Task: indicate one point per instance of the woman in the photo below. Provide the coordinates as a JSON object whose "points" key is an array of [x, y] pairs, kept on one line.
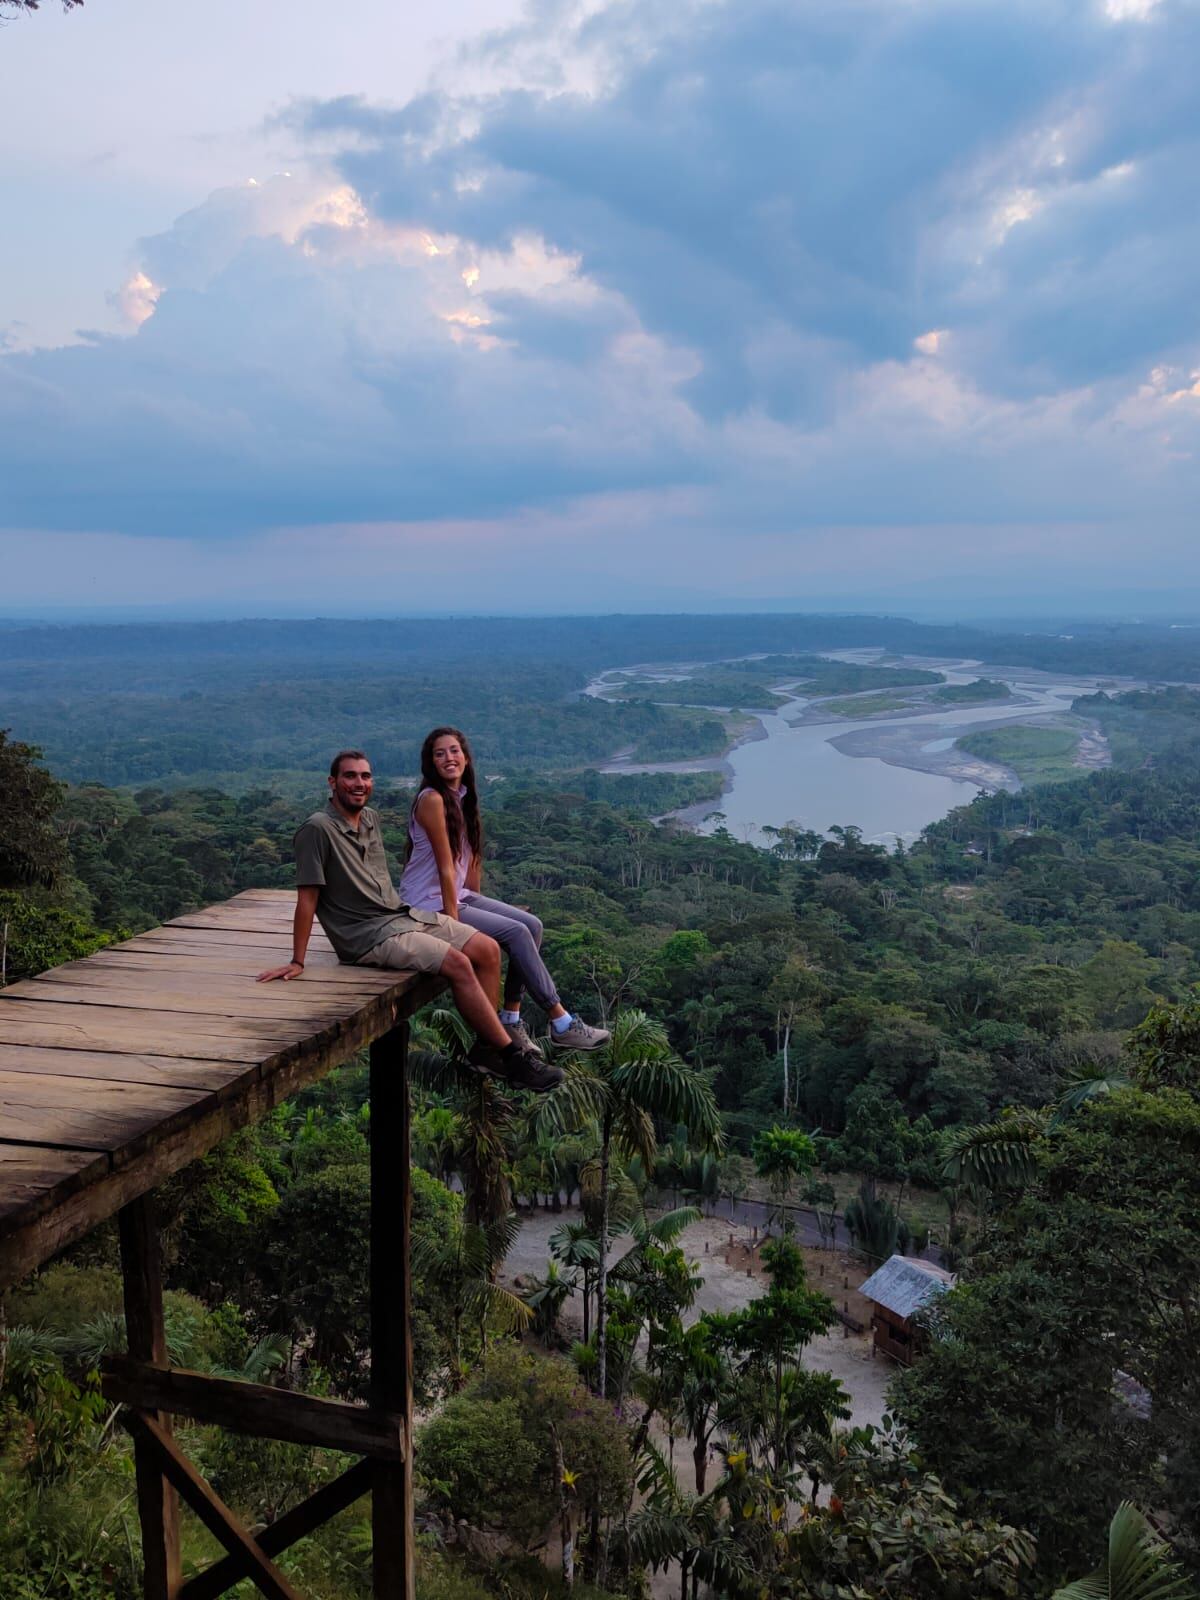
{"points": [[443, 869]]}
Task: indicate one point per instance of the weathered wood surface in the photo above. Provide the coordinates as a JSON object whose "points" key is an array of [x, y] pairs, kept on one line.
{"points": [[117, 1070]]}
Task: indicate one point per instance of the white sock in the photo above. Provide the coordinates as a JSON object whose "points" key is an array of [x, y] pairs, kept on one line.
{"points": [[510, 1017], [561, 1024]]}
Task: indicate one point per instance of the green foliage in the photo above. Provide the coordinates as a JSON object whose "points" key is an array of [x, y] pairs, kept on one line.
{"points": [[34, 937], [32, 849], [1137, 1565], [1088, 1273], [783, 1156], [891, 1532], [875, 1225], [1166, 1048], [488, 1455]]}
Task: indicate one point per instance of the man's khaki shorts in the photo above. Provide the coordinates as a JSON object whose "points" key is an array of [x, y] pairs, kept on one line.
{"points": [[423, 949]]}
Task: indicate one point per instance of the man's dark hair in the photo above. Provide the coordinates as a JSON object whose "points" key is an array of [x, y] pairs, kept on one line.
{"points": [[335, 766]]}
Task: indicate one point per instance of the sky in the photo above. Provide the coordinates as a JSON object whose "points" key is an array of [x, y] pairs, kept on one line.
{"points": [[646, 305]]}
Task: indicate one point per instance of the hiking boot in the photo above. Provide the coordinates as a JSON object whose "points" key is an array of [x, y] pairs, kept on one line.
{"points": [[579, 1036], [530, 1071], [519, 1035], [486, 1058], [524, 1069]]}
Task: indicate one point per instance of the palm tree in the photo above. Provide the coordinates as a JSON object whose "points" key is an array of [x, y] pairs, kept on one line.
{"points": [[547, 1298], [1138, 1565], [874, 1224], [462, 1263], [782, 1156], [1004, 1154], [577, 1247], [436, 1132], [621, 1088], [487, 1122]]}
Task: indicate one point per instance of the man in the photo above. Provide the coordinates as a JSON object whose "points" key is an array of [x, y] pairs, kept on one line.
{"points": [[342, 879]]}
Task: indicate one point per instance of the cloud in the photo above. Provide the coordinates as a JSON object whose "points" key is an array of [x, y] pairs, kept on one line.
{"points": [[772, 269]]}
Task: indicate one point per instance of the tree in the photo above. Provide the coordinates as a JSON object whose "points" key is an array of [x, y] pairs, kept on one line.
{"points": [[491, 1454], [768, 1336], [795, 992], [621, 1088], [577, 1248], [546, 1298], [783, 1156], [462, 1263], [32, 848], [35, 937], [1085, 1280], [1136, 1566], [875, 1225]]}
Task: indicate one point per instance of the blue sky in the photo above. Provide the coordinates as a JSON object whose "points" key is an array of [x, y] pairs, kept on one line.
{"points": [[603, 305]]}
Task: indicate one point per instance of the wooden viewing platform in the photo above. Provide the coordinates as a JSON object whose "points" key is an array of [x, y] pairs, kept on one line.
{"points": [[118, 1070]]}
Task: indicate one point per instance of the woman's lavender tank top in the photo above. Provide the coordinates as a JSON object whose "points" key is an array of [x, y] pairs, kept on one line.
{"points": [[420, 885]]}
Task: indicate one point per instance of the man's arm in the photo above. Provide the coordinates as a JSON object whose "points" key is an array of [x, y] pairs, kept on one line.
{"points": [[302, 921]]}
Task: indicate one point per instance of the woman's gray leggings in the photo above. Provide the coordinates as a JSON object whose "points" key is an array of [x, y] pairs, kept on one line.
{"points": [[519, 934]]}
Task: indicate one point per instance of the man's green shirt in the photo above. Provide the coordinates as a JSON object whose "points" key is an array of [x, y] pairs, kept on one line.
{"points": [[358, 906]]}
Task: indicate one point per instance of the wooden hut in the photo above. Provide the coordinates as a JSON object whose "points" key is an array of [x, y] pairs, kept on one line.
{"points": [[898, 1290]]}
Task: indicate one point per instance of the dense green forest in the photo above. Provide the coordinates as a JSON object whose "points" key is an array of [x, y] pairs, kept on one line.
{"points": [[954, 1032], [246, 703]]}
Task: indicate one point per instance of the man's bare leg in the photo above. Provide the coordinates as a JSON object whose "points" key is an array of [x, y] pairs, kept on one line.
{"points": [[484, 955], [472, 1000]]}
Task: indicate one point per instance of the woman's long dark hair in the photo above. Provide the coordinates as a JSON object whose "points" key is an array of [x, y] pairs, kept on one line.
{"points": [[462, 816]]}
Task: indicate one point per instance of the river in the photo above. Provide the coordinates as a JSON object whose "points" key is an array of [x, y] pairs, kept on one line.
{"points": [[890, 775]]}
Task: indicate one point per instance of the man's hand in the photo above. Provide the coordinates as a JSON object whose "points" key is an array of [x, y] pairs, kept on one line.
{"points": [[292, 970]]}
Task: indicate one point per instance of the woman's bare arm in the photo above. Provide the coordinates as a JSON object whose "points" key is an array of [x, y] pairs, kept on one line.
{"points": [[431, 814]]}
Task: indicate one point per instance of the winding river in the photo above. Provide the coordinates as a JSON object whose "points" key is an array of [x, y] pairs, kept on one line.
{"points": [[890, 775]]}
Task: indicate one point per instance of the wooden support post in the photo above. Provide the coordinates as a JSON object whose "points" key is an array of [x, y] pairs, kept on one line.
{"points": [[391, 1311], [158, 1509]]}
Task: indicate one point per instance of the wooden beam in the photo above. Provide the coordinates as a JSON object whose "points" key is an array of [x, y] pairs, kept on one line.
{"points": [[254, 1408], [208, 1506], [284, 1532], [394, 1575], [158, 1511]]}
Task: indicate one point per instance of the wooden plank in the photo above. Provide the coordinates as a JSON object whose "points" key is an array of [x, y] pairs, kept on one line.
{"points": [[217, 937], [212, 1511], [255, 1408], [246, 921], [138, 1029], [392, 1552], [281, 1534], [207, 968], [169, 1071], [29, 1029], [91, 1114], [158, 1511], [334, 986], [248, 1002]]}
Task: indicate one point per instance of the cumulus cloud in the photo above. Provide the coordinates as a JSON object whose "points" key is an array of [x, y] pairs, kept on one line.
{"points": [[790, 267]]}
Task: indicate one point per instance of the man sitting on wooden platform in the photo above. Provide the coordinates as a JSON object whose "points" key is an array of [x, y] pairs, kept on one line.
{"points": [[343, 879]]}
